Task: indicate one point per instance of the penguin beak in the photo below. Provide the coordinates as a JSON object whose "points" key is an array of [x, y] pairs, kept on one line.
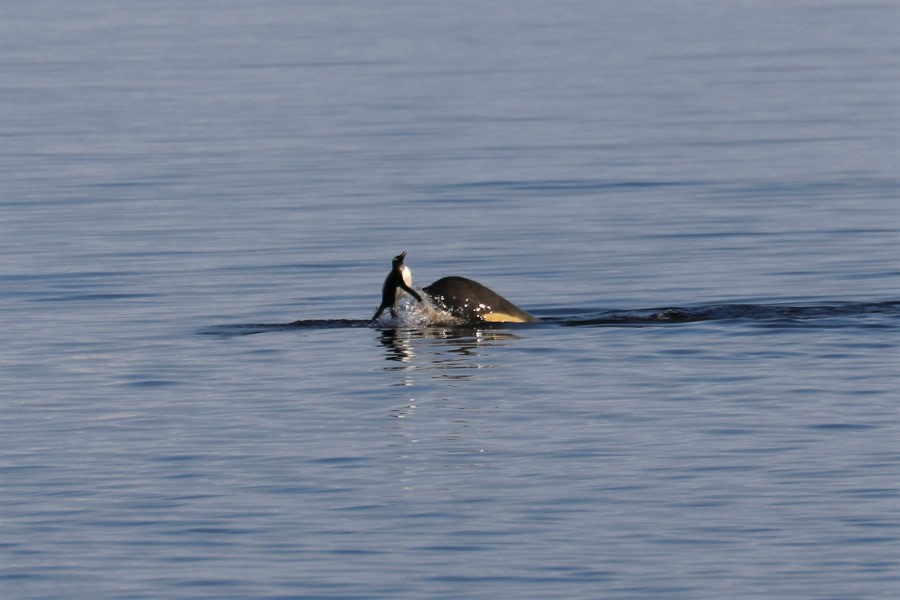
{"points": [[401, 256]]}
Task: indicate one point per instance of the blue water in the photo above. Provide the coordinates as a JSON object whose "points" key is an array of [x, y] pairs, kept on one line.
{"points": [[201, 200]]}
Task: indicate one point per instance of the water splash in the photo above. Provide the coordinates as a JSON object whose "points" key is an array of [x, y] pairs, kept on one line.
{"points": [[418, 315]]}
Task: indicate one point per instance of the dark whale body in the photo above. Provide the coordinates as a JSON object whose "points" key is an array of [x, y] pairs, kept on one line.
{"points": [[472, 302], [451, 300]]}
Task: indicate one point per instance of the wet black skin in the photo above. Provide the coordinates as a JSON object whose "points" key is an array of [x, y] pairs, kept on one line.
{"points": [[393, 281], [471, 301]]}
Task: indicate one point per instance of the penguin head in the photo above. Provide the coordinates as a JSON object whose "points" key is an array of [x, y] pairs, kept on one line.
{"points": [[401, 270], [397, 263]]}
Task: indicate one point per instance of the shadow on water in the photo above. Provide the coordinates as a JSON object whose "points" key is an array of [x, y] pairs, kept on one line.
{"points": [[820, 315]]}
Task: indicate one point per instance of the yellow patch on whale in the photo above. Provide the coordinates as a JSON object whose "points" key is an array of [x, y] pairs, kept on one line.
{"points": [[499, 317]]}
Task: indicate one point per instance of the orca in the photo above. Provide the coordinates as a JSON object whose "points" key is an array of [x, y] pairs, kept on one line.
{"points": [[463, 300]]}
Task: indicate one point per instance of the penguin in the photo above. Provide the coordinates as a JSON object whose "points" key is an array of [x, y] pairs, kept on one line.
{"points": [[398, 282], [464, 300]]}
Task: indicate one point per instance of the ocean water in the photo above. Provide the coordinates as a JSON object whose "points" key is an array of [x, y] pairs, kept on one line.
{"points": [[201, 200]]}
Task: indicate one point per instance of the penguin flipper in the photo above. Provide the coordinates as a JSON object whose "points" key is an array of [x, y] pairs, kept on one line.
{"points": [[380, 310], [410, 291]]}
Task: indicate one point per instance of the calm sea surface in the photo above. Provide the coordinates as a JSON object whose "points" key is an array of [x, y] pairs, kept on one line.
{"points": [[200, 201]]}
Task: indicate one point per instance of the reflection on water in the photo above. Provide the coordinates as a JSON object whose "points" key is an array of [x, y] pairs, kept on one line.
{"points": [[453, 348]]}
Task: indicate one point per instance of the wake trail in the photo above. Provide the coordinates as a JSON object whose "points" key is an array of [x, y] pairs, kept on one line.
{"points": [[818, 314]]}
